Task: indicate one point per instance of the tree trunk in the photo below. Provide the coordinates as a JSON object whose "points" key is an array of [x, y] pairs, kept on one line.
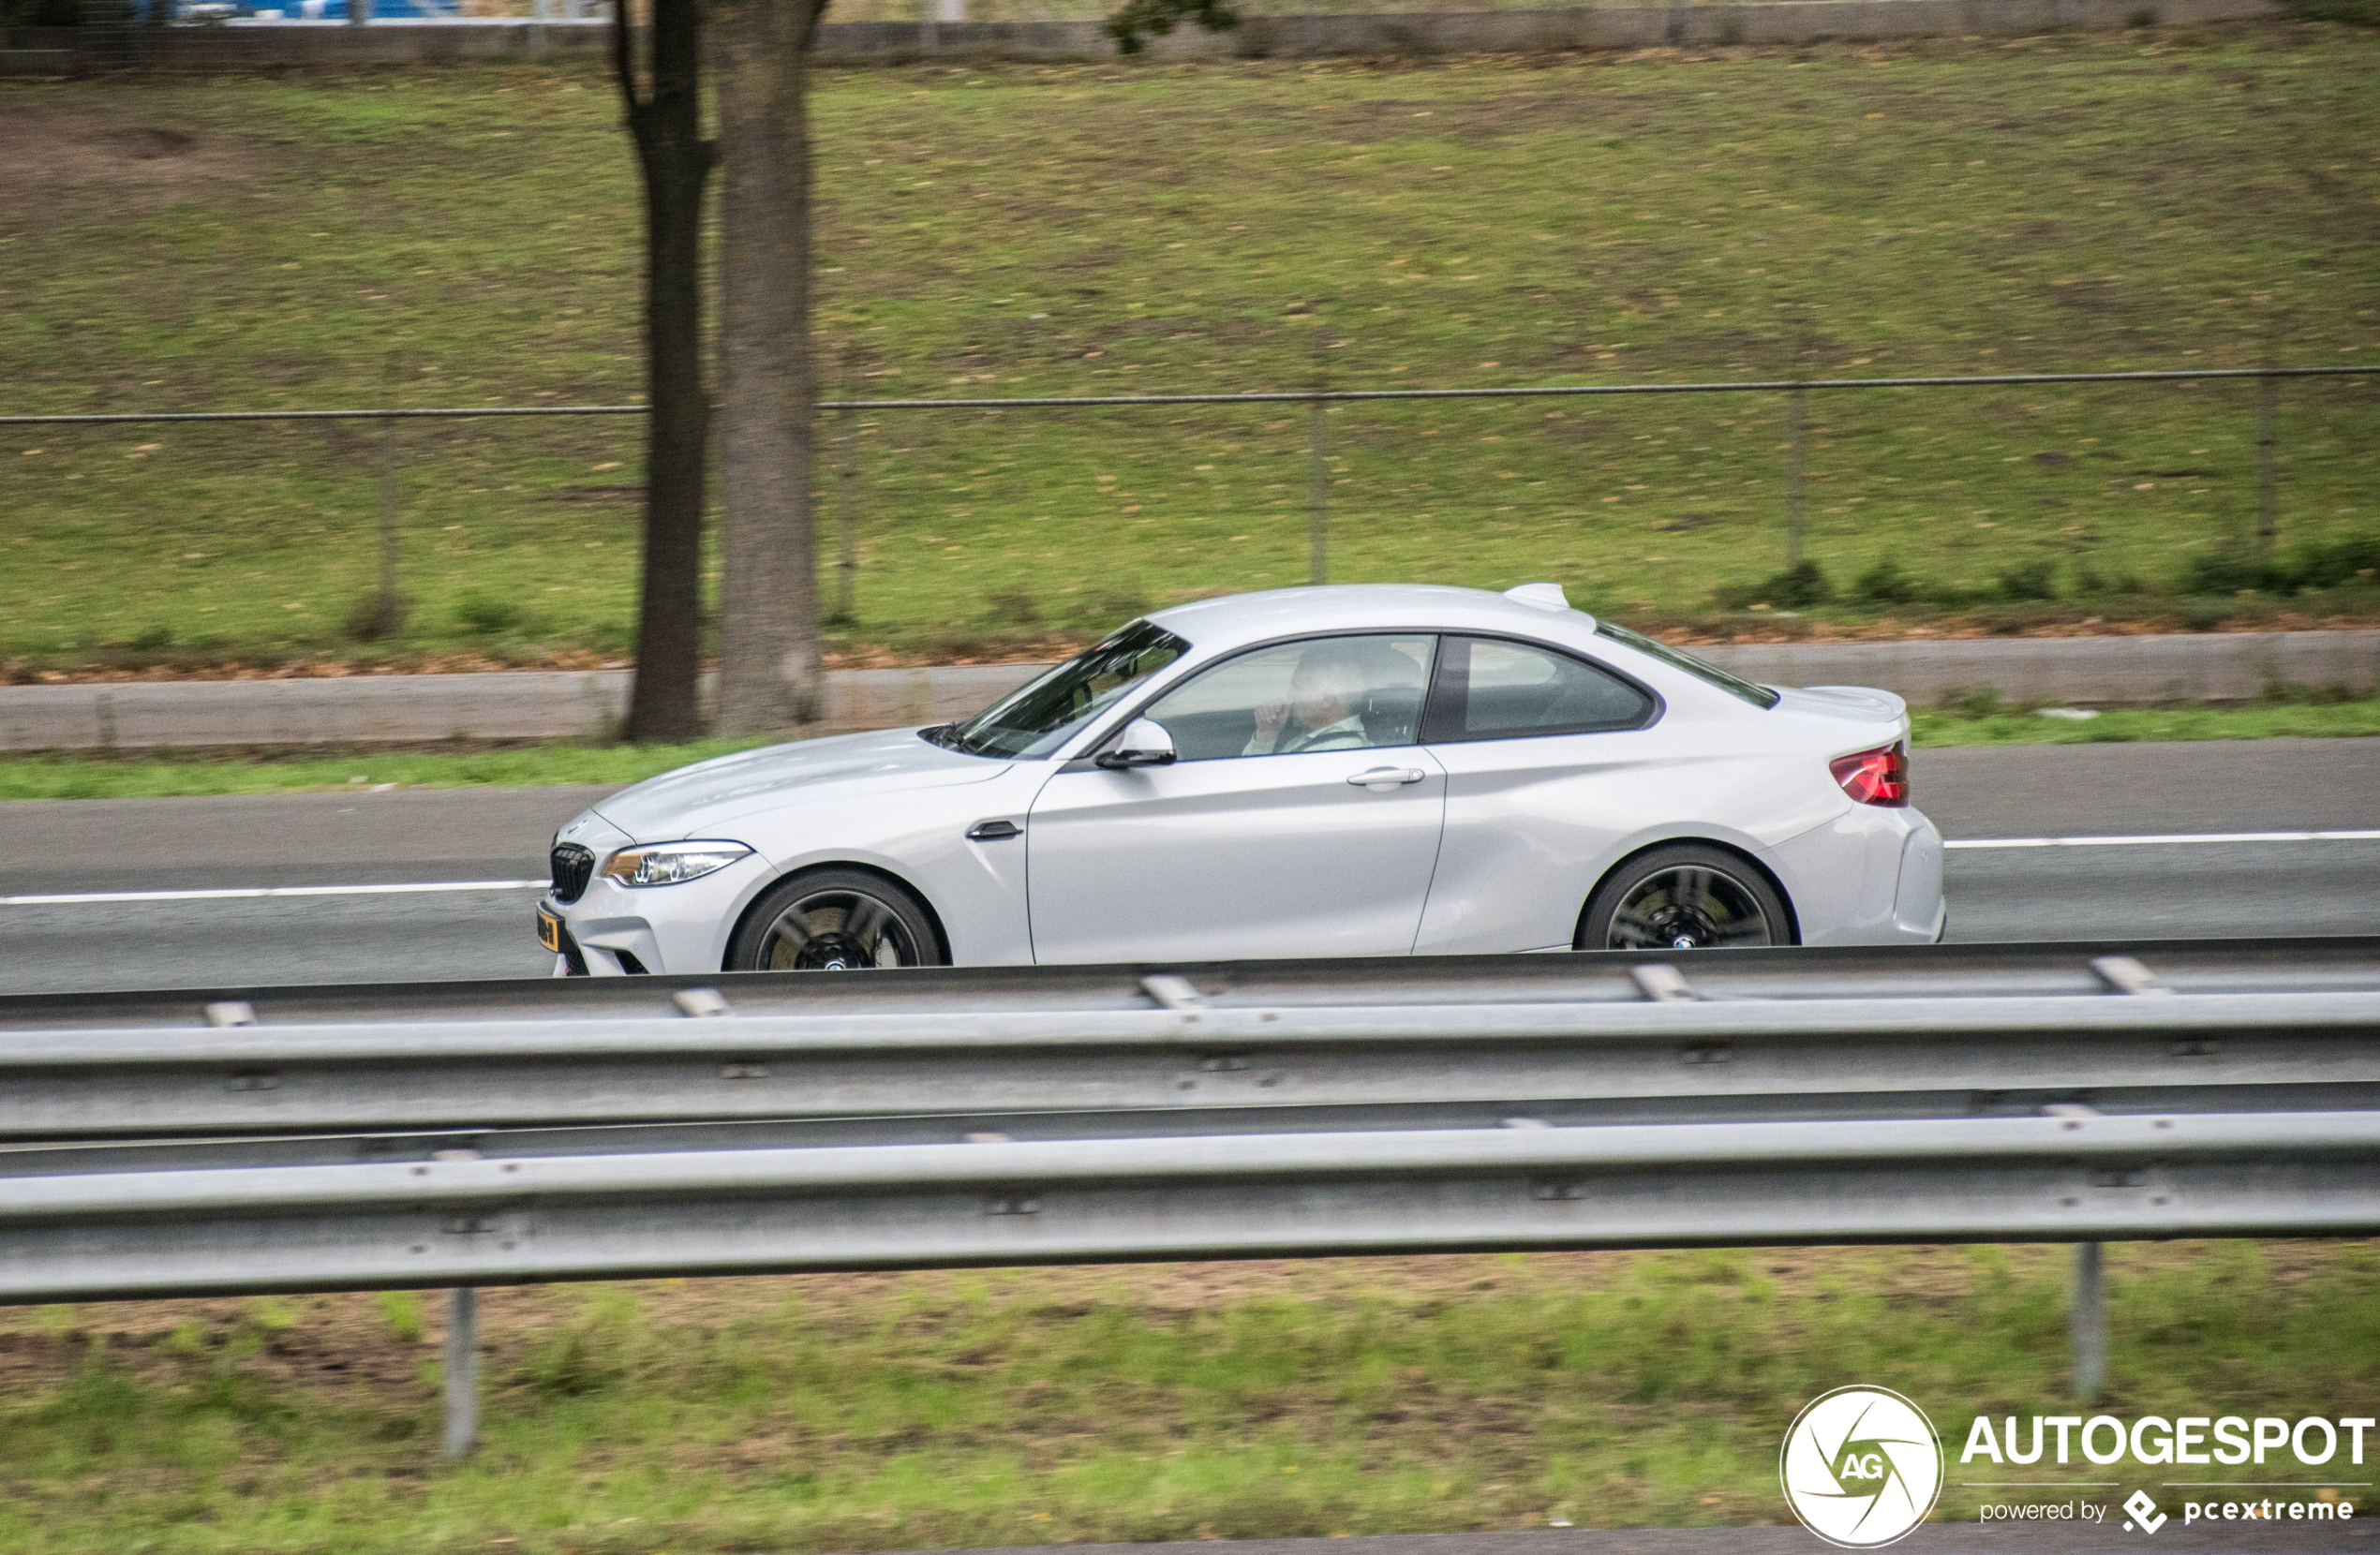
{"points": [[769, 672], [665, 118]]}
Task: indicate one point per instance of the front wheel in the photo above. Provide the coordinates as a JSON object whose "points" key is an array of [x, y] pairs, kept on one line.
{"points": [[835, 920], [1684, 897]]}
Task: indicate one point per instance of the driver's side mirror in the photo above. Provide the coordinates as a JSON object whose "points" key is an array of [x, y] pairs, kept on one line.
{"points": [[1143, 743]]}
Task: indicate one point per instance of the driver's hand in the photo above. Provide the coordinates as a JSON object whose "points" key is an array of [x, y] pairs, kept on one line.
{"points": [[1271, 716]]}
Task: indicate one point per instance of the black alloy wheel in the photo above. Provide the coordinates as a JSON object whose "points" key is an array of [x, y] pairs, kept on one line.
{"points": [[1685, 897], [835, 920]]}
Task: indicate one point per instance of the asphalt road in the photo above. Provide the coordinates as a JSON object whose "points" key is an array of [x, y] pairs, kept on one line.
{"points": [[479, 834]]}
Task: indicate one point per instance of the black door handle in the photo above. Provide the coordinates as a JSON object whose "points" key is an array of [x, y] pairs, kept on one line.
{"points": [[993, 831]]}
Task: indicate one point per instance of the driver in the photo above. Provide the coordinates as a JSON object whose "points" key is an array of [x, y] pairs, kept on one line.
{"points": [[1318, 713]]}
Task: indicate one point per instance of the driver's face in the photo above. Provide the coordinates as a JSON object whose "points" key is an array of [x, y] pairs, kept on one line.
{"points": [[1312, 706]]}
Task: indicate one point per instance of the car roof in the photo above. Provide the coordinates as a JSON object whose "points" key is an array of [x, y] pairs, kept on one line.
{"points": [[1236, 618]]}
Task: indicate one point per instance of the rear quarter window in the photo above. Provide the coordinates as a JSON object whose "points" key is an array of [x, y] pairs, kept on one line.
{"points": [[1494, 688], [1678, 659]]}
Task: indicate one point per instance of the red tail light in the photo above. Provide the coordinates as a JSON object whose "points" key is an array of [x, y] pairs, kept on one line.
{"points": [[1877, 777]]}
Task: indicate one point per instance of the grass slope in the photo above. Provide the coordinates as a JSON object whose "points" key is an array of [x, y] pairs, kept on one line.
{"points": [[1176, 1403], [466, 236]]}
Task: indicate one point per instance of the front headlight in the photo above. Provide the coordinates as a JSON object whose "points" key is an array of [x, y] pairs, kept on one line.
{"points": [[672, 863]]}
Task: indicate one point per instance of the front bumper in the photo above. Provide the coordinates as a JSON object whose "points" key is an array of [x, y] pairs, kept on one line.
{"points": [[613, 930]]}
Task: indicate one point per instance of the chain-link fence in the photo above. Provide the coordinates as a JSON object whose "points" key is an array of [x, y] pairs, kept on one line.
{"points": [[941, 520]]}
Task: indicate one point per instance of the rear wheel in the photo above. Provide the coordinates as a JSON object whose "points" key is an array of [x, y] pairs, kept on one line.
{"points": [[1684, 897], [835, 920]]}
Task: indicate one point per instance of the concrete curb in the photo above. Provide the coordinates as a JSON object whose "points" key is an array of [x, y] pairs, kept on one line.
{"points": [[364, 709], [555, 705], [2181, 667], [334, 45]]}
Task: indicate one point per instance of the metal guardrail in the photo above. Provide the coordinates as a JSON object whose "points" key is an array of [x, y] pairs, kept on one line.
{"points": [[1083, 1114], [2306, 964], [500, 1220], [1578, 1039], [1600, 1063]]}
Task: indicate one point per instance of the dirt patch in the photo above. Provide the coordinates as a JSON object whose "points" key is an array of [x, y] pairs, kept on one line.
{"points": [[584, 495], [2051, 620], [59, 159], [348, 1341]]}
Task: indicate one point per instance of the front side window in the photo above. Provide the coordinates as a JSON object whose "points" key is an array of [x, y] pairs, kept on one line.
{"points": [[1325, 693], [1492, 689], [1040, 717]]}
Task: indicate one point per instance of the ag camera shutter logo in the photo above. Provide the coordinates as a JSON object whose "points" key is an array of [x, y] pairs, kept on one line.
{"points": [[1861, 1467]]}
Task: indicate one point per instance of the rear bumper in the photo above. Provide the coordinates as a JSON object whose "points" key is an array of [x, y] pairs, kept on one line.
{"points": [[1920, 911], [1872, 876]]}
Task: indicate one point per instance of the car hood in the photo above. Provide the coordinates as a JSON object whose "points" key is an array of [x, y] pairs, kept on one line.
{"points": [[700, 800], [1860, 703]]}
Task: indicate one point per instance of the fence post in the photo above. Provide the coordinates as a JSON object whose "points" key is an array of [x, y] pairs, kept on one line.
{"points": [[2088, 1321], [1793, 479], [462, 1370], [2267, 494], [846, 519], [1318, 489], [540, 12], [390, 611], [929, 30]]}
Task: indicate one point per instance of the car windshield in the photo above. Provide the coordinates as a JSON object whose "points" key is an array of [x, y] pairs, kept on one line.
{"points": [[1039, 718], [1734, 685]]}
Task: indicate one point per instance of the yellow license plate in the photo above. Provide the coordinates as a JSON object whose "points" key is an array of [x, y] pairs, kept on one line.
{"points": [[549, 931]]}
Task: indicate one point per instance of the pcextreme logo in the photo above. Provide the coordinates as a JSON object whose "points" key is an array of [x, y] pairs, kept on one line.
{"points": [[1861, 1467]]}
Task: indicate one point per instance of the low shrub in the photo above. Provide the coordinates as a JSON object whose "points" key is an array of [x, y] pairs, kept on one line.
{"points": [[2030, 580], [2354, 13], [374, 616], [487, 613], [1797, 588], [1886, 583], [2346, 561]]}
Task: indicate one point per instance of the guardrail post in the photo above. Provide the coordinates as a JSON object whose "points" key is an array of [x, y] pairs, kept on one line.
{"points": [[2267, 496], [1317, 486], [846, 519], [2088, 1321], [1793, 479], [462, 1370]]}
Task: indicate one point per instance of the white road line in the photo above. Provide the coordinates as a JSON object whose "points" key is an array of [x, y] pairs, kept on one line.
{"points": [[2164, 840], [416, 887], [243, 892]]}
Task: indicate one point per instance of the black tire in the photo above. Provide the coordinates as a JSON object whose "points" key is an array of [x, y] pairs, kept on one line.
{"points": [[835, 920], [1684, 896]]}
